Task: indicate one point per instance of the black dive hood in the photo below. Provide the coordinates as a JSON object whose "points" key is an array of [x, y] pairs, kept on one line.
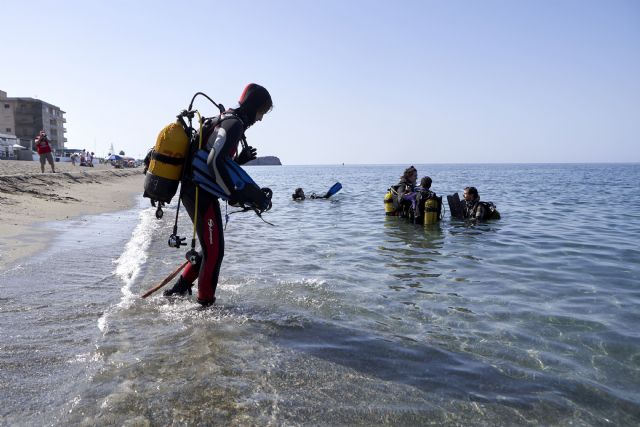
{"points": [[254, 98]]}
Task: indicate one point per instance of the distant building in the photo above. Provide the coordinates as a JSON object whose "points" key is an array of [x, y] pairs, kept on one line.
{"points": [[7, 119], [26, 117]]}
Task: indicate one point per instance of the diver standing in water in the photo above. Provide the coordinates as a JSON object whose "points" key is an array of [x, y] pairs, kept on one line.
{"points": [[476, 210], [404, 188], [223, 137]]}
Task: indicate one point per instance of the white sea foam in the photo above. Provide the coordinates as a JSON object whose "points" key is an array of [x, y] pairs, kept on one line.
{"points": [[131, 260], [12, 270]]}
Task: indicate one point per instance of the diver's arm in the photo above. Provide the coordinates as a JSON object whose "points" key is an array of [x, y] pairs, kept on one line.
{"points": [[402, 188], [223, 144]]}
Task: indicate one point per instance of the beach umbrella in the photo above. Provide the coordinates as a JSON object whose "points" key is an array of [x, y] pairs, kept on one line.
{"points": [[114, 157]]}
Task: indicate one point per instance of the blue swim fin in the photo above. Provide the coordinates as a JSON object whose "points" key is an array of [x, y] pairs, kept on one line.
{"points": [[333, 190]]}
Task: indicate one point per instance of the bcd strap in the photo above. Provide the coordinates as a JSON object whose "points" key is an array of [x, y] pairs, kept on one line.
{"points": [[178, 161]]}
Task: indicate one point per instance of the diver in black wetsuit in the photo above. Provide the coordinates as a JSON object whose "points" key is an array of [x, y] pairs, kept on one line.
{"points": [[474, 209], [423, 193], [222, 136], [299, 195]]}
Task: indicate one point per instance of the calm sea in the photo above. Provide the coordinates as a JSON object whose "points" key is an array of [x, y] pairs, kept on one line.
{"points": [[338, 315]]}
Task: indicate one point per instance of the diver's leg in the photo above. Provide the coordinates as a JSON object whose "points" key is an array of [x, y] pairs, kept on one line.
{"points": [[211, 238]]}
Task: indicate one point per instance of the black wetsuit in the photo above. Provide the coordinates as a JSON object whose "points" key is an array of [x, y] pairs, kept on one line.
{"points": [[422, 194], [403, 205], [475, 210]]}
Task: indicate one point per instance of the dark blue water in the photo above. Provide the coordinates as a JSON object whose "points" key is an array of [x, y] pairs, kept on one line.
{"points": [[339, 315]]}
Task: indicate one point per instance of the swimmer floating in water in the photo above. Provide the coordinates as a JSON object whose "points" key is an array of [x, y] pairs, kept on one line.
{"points": [[299, 195]]}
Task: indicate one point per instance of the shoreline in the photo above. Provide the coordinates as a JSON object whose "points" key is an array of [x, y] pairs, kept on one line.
{"points": [[29, 200]]}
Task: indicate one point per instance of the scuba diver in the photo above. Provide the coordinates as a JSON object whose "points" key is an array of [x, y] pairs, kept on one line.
{"points": [[474, 209], [427, 202], [395, 202], [403, 189], [223, 135], [299, 195]]}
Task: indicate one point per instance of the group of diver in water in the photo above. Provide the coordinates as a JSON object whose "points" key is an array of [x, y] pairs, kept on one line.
{"points": [[420, 205], [204, 160]]}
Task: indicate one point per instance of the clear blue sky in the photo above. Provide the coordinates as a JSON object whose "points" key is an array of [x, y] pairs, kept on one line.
{"points": [[352, 81]]}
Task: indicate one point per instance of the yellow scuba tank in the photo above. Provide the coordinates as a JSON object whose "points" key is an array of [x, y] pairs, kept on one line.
{"points": [[167, 161], [389, 206], [431, 211]]}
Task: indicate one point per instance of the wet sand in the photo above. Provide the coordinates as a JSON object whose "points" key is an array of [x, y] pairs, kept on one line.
{"points": [[29, 198]]}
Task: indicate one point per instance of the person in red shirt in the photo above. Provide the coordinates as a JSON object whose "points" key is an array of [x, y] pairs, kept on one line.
{"points": [[44, 149]]}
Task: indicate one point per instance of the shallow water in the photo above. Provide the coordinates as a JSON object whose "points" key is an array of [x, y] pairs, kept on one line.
{"points": [[339, 315]]}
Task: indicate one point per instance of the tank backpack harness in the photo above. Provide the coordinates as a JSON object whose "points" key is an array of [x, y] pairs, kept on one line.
{"points": [[170, 159], [491, 212]]}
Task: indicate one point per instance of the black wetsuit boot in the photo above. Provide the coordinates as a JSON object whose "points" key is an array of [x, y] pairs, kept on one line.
{"points": [[181, 287]]}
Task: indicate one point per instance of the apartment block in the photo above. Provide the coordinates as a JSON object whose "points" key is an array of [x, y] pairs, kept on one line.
{"points": [[26, 117], [7, 119]]}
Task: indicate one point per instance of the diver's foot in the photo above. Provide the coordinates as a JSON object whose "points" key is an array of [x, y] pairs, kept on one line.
{"points": [[181, 288], [206, 303]]}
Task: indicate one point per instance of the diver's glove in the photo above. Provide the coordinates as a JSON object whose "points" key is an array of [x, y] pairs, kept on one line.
{"points": [[248, 153], [258, 198], [268, 195]]}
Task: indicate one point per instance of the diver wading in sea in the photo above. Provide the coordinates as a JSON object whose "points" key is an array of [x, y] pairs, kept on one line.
{"points": [[471, 208], [211, 172]]}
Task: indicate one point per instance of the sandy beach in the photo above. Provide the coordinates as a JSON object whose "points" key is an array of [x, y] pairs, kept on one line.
{"points": [[29, 198]]}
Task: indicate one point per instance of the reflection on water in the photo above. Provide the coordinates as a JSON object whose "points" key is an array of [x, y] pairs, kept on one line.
{"points": [[339, 315], [409, 250]]}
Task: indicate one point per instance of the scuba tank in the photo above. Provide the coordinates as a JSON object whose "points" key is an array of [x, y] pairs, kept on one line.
{"points": [[431, 211], [167, 161], [389, 205]]}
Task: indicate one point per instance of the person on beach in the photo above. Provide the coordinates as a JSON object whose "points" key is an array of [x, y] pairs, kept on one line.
{"points": [[222, 141], [44, 150]]}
